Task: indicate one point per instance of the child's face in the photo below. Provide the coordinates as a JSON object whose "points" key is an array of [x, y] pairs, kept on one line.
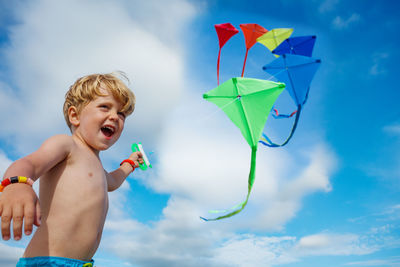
{"points": [[101, 122]]}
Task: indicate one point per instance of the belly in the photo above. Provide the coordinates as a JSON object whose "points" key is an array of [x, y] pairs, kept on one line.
{"points": [[71, 226]]}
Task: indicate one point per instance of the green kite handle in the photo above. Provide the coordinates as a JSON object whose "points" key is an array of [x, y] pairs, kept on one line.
{"points": [[146, 164]]}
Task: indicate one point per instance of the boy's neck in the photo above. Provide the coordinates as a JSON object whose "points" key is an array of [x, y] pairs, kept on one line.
{"points": [[78, 139]]}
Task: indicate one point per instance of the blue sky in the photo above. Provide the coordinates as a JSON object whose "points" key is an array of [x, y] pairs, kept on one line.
{"points": [[331, 197]]}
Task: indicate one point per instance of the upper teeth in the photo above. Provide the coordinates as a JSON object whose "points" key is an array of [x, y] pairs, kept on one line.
{"points": [[109, 128]]}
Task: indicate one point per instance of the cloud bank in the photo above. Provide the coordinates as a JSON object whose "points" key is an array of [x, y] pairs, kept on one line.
{"points": [[207, 167], [203, 162], [55, 43]]}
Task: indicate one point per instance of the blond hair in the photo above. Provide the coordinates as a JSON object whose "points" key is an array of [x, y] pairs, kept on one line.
{"points": [[87, 88]]}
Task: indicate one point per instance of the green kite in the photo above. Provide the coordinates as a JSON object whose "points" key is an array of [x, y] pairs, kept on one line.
{"points": [[247, 102]]}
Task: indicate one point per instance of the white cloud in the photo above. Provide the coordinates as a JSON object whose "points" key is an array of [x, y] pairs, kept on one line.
{"points": [[203, 163], [54, 43], [57, 42], [389, 262], [389, 172], [378, 60], [392, 129], [181, 238], [332, 244], [208, 162], [213, 157], [395, 209], [340, 23], [250, 250], [9, 255], [4, 163], [327, 6]]}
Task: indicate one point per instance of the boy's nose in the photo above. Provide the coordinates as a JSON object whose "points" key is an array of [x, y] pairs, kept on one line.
{"points": [[114, 115]]}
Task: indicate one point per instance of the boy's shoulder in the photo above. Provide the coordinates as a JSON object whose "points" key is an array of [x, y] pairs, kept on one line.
{"points": [[62, 139], [59, 142], [54, 150]]}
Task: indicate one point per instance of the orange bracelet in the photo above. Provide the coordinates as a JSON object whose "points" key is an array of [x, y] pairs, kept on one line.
{"points": [[130, 162], [14, 180]]}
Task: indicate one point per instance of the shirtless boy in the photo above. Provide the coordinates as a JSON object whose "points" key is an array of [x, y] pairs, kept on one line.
{"points": [[73, 184]]}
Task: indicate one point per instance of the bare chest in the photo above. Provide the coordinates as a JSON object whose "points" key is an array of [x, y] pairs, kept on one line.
{"points": [[78, 182]]}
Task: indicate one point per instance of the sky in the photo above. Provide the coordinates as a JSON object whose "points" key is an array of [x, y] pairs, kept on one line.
{"points": [[331, 197]]}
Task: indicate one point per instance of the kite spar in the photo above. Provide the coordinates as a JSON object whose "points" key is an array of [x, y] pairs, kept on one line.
{"points": [[301, 45], [274, 37]]}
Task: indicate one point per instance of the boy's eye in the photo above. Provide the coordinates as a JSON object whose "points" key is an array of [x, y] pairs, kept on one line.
{"points": [[121, 114]]}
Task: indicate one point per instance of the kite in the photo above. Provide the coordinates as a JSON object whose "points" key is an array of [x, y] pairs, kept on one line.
{"points": [[302, 45], [274, 38], [251, 33], [224, 31], [247, 102], [146, 164], [297, 73]]}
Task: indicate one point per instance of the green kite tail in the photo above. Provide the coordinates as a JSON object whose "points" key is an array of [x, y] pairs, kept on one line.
{"points": [[252, 176]]}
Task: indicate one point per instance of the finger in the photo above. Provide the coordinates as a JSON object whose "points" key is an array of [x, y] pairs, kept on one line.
{"points": [[38, 215], [29, 214], [5, 223], [18, 217]]}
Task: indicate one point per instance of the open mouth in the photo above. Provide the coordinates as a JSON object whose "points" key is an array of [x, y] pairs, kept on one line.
{"points": [[108, 131]]}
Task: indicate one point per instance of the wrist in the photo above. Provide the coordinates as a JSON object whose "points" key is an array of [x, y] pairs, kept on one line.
{"points": [[14, 180], [130, 162]]}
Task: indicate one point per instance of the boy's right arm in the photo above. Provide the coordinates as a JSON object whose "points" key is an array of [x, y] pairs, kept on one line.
{"points": [[19, 201]]}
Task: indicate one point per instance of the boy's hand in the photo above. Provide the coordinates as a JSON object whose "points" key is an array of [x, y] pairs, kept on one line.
{"points": [[117, 177], [18, 202], [137, 157]]}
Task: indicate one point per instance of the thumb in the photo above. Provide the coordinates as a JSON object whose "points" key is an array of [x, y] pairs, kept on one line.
{"points": [[38, 215]]}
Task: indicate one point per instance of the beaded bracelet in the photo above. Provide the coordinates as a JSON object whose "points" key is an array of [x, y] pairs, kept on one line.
{"points": [[14, 180], [130, 162]]}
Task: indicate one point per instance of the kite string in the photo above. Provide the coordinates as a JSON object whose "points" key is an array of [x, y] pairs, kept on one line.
{"points": [[274, 76], [207, 117], [276, 111]]}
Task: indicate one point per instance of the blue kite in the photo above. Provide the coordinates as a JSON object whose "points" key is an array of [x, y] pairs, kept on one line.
{"points": [[301, 45], [297, 73]]}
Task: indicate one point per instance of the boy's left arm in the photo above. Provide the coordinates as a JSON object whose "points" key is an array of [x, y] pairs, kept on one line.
{"points": [[117, 177]]}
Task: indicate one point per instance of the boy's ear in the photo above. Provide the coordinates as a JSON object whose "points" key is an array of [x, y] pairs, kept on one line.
{"points": [[73, 116]]}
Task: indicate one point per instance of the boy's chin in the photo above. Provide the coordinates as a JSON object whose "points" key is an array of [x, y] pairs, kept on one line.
{"points": [[103, 147]]}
